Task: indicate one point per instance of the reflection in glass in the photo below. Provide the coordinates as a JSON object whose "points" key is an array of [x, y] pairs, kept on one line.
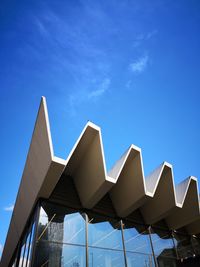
{"points": [[162, 243], [57, 226], [137, 245], [99, 257], [105, 243], [105, 234], [58, 231], [139, 260], [22, 255], [56, 254], [26, 251], [30, 245], [74, 229], [196, 245], [136, 241], [163, 246], [73, 256], [183, 245]]}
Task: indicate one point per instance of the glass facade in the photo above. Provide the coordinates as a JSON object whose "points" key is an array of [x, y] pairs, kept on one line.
{"points": [[184, 246], [163, 246], [23, 253], [105, 245], [137, 246], [61, 237]]}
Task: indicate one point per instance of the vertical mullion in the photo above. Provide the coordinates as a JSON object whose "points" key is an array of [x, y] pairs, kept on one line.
{"points": [[29, 243], [123, 242], [36, 218], [192, 245], [25, 240], [175, 248], [154, 256], [86, 240]]}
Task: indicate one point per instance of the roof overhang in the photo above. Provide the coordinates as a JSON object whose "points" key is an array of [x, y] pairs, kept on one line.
{"points": [[156, 195]]}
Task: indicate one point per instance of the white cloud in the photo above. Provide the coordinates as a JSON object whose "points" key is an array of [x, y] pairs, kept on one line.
{"points": [[87, 95], [101, 90], [139, 65], [9, 208]]}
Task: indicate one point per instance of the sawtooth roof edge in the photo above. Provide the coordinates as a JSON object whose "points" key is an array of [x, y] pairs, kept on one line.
{"points": [[125, 182]]}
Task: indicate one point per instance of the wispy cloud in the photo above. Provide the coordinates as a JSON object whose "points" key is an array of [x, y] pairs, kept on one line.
{"points": [[9, 208], [41, 27], [139, 65], [142, 37], [75, 50], [87, 95], [101, 90], [151, 34]]}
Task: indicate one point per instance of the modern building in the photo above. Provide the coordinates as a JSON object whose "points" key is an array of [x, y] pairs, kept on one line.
{"points": [[74, 213]]}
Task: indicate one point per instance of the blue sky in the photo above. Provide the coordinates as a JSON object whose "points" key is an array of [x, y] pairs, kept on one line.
{"points": [[131, 67]]}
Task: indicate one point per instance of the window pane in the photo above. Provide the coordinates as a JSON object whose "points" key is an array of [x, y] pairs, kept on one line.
{"points": [[21, 256], [74, 229], [25, 256], [166, 262], [31, 245], [105, 258], [162, 243], [54, 254], [136, 240], [196, 245], [58, 226], [139, 260], [104, 234], [183, 245]]}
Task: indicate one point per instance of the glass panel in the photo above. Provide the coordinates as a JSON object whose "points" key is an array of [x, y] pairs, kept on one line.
{"points": [[162, 243], [104, 234], [183, 245], [166, 262], [105, 243], [55, 225], [196, 245], [61, 237], [21, 256], [139, 260], [30, 245], [25, 255], [73, 256], [56, 255], [99, 257], [136, 240], [137, 245], [74, 229]]}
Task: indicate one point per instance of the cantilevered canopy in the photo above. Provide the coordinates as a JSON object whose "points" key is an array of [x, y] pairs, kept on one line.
{"points": [[155, 196]]}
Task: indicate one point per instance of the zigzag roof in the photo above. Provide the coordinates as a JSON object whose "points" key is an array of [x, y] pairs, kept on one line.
{"points": [[156, 195]]}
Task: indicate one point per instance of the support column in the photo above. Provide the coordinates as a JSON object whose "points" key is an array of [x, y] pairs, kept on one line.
{"points": [[154, 256]]}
